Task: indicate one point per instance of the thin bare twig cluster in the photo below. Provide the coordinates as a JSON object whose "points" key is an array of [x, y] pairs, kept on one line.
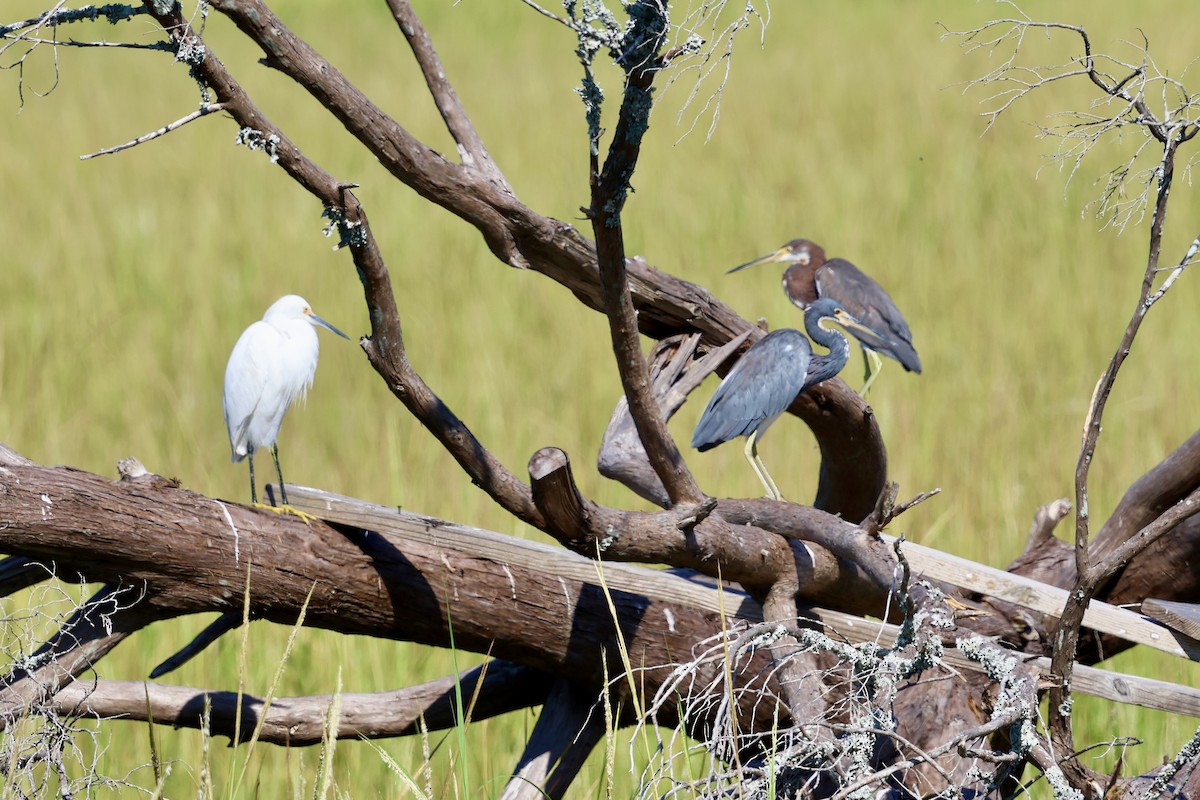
{"points": [[854, 747], [1138, 101], [47, 749], [19, 41], [700, 52]]}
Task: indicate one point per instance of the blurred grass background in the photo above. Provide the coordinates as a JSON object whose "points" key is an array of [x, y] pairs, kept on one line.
{"points": [[128, 278]]}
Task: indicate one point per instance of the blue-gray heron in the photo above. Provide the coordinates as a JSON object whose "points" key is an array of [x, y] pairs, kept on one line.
{"points": [[810, 276], [765, 381]]}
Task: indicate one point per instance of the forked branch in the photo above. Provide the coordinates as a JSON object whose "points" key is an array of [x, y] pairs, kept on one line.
{"points": [[637, 49]]}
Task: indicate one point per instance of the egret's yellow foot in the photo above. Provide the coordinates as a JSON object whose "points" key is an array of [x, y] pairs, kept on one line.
{"points": [[309, 519]]}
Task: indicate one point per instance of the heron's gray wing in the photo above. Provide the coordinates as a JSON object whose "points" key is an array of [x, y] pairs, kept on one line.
{"points": [[867, 302], [760, 387]]}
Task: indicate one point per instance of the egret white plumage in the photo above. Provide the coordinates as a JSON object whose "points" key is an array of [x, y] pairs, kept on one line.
{"points": [[767, 379], [271, 366]]}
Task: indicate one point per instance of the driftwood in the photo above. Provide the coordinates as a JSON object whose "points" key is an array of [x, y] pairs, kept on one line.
{"points": [[395, 581]]}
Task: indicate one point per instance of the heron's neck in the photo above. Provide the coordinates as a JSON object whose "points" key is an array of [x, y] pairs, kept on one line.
{"points": [[822, 368], [800, 284]]}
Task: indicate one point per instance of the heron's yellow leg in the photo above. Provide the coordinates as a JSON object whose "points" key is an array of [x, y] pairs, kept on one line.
{"points": [[872, 363], [760, 469]]}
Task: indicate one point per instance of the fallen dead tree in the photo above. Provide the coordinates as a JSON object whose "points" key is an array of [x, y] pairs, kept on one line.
{"points": [[808, 701]]}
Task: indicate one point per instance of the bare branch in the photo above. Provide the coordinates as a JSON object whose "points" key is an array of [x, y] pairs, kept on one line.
{"points": [[1124, 102], [853, 456], [204, 110], [500, 687], [470, 145], [1045, 520], [59, 15], [385, 348], [546, 13], [637, 50], [1147, 536]]}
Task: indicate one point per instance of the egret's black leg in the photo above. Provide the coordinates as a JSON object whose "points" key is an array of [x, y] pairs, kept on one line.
{"points": [[253, 493], [279, 472]]}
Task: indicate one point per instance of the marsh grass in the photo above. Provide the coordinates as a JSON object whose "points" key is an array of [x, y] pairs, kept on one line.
{"points": [[127, 279]]}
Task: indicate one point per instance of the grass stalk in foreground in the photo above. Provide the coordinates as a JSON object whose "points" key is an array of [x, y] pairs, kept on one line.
{"points": [[329, 741], [460, 714]]}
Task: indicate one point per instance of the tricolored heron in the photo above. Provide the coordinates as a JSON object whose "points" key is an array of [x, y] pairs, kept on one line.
{"points": [[810, 276], [271, 366], [765, 381]]}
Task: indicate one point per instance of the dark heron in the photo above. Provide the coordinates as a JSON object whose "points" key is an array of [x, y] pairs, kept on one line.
{"points": [[765, 381], [810, 276]]}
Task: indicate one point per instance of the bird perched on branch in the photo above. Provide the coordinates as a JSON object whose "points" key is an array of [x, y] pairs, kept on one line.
{"points": [[271, 366], [810, 276], [765, 381]]}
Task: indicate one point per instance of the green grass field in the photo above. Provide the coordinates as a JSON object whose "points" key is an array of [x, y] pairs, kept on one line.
{"points": [[126, 280]]}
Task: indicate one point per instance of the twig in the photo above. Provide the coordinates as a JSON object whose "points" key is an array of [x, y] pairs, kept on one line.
{"points": [[1127, 98], [547, 13], [202, 111], [996, 723], [1184, 263], [705, 50], [113, 13], [159, 46]]}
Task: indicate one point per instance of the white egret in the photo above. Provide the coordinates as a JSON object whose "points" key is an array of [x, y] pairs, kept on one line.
{"points": [[271, 365]]}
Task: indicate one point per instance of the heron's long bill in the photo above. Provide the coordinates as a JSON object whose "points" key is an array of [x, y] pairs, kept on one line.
{"points": [[844, 318], [318, 321], [781, 255]]}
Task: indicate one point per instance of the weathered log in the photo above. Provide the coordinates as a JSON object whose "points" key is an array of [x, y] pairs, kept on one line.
{"points": [[542, 609], [529, 604], [300, 721]]}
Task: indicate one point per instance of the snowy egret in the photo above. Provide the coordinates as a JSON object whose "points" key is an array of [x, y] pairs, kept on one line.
{"points": [[767, 379], [271, 365]]}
